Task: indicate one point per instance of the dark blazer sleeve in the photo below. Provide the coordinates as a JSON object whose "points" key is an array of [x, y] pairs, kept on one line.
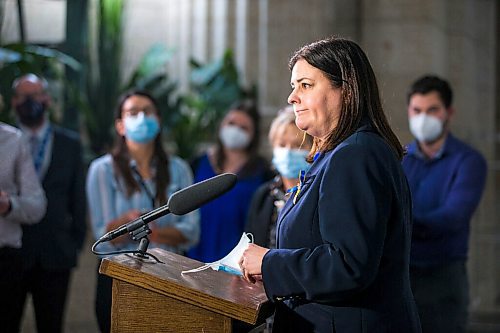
{"points": [[350, 203]]}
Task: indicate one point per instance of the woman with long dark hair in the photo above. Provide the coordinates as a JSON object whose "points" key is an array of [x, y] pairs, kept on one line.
{"points": [[343, 237], [137, 176], [236, 151]]}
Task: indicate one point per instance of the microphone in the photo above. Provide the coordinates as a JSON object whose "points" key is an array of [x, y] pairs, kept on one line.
{"points": [[196, 195], [180, 203]]}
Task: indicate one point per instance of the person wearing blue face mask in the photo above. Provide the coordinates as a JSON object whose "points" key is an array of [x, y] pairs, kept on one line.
{"points": [[137, 176], [290, 149], [141, 128]]}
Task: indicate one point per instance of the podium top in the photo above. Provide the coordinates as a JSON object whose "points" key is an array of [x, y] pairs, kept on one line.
{"points": [[217, 291]]}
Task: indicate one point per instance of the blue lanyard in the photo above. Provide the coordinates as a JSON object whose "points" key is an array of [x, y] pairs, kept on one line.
{"points": [[40, 154]]}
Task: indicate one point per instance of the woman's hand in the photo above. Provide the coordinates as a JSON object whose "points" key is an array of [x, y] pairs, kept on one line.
{"points": [[167, 235], [251, 262], [5, 204], [121, 220]]}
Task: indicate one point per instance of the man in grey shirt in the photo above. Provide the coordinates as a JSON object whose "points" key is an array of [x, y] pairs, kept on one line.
{"points": [[22, 201], [50, 248]]}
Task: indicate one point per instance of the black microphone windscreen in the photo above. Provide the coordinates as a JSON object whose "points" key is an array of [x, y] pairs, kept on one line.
{"points": [[196, 195]]}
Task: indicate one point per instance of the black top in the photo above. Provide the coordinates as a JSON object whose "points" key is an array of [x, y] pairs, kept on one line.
{"points": [[266, 203]]}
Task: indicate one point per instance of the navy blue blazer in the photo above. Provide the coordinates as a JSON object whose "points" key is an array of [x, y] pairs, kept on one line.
{"points": [[343, 247], [54, 243]]}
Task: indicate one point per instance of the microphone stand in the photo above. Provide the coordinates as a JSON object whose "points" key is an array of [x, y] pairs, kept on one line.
{"points": [[141, 235]]}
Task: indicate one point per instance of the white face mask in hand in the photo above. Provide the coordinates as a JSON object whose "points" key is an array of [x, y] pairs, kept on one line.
{"points": [[230, 263], [426, 128]]}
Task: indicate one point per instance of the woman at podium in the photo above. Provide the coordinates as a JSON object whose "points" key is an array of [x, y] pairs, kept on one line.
{"points": [[343, 236]]}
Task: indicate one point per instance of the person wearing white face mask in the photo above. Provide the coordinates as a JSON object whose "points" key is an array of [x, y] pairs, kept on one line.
{"points": [[236, 151], [446, 178], [290, 149], [137, 176]]}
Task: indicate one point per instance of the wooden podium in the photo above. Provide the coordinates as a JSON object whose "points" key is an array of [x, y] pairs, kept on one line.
{"points": [[154, 297]]}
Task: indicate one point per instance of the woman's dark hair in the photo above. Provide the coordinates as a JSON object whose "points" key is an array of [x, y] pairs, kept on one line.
{"points": [[121, 157], [347, 67], [430, 83], [249, 108]]}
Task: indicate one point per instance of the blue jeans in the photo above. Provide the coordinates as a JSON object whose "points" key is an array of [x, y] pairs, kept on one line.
{"points": [[442, 297]]}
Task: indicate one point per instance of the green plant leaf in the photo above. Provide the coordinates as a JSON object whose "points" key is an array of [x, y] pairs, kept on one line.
{"points": [[150, 66], [54, 54]]}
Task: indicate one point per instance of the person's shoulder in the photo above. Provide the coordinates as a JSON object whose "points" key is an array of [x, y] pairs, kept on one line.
{"points": [[465, 150], [199, 158], [460, 144], [102, 162], [364, 147], [257, 167], [364, 141], [66, 133], [267, 186], [10, 131], [199, 161], [12, 139], [366, 137], [178, 163], [262, 192]]}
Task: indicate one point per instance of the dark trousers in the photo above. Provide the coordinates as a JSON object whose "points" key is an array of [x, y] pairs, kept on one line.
{"points": [[49, 290], [103, 301], [442, 297], [11, 305]]}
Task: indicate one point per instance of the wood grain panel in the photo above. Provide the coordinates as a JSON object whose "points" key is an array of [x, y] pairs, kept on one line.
{"points": [[142, 289], [132, 312]]}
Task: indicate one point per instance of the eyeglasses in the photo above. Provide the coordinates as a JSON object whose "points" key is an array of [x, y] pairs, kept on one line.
{"points": [[133, 112]]}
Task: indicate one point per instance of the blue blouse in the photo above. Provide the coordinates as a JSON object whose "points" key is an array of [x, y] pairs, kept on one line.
{"points": [[223, 219], [107, 201]]}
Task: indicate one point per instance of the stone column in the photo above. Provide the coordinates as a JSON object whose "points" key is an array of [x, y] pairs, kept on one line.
{"points": [[456, 40]]}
